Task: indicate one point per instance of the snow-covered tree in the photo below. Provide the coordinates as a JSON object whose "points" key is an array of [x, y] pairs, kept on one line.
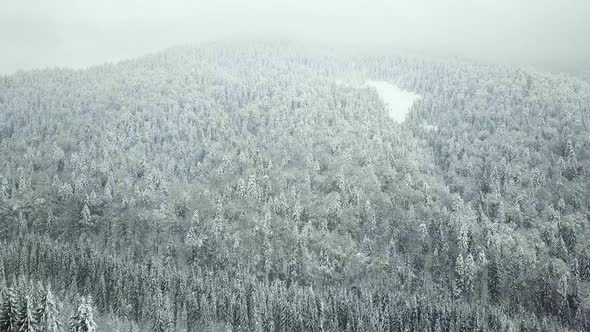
{"points": [[82, 320], [27, 321], [47, 312], [9, 310]]}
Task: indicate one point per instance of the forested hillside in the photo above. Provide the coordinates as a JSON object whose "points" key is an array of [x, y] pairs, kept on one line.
{"points": [[237, 187]]}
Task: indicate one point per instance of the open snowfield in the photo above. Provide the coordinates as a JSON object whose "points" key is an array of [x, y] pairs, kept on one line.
{"points": [[397, 100]]}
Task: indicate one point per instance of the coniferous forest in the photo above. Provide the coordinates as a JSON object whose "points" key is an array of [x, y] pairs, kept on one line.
{"points": [[240, 187]]}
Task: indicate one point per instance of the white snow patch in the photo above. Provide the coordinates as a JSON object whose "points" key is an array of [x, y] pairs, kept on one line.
{"points": [[430, 127], [398, 101]]}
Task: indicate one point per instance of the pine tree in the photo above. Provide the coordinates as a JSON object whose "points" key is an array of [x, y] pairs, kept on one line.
{"points": [[47, 312], [241, 189], [192, 234], [424, 237], [572, 166], [58, 158], [83, 318], [459, 280], [3, 188], [22, 181], [86, 217], [562, 292], [26, 319], [559, 249], [494, 280], [100, 290], [463, 239], [501, 213], [561, 205], [49, 222], [2, 274], [65, 191], [297, 210], [9, 310], [107, 192], [584, 260], [266, 252], [162, 319], [470, 270], [195, 220], [371, 220], [253, 192], [457, 203]]}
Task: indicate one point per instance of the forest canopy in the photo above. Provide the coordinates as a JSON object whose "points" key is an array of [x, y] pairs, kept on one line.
{"points": [[235, 186]]}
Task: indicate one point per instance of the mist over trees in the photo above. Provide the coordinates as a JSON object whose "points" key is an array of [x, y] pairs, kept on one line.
{"points": [[238, 187], [544, 34]]}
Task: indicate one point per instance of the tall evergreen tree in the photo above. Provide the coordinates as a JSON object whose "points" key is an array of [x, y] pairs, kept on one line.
{"points": [[9, 310], [47, 312], [162, 320], [82, 320], [2, 274], [26, 320]]}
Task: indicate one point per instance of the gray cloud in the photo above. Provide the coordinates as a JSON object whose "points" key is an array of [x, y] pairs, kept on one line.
{"points": [[551, 35]]}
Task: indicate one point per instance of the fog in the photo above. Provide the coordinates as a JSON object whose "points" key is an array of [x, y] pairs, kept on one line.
{"points": [[549, 35]]}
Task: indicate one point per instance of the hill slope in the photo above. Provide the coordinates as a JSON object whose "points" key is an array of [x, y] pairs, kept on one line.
{"points": [[239, 186]]}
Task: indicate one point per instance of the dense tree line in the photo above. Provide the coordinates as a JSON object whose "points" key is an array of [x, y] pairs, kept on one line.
{"points": [[514, 145], [170, 299], [26, 307], [238, 187]]}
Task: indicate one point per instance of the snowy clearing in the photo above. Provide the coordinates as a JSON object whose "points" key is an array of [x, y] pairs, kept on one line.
{"points": [[397, 100]]}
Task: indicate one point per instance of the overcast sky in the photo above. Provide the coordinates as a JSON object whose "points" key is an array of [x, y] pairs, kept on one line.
{"points": [[547, 34]]}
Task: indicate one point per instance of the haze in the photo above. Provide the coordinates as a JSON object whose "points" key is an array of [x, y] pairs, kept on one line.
{"points": [[549, 35]]}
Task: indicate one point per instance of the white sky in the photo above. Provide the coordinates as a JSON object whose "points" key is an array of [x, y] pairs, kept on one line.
{"points": [[548, 34]]}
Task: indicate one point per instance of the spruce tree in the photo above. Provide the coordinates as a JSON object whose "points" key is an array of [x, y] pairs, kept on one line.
{"points": [[9, 310], [86, 217], [469, 276], [162, 318], [47, 312], [83, 318], [26, 318], [459, 281], [2, 274]]}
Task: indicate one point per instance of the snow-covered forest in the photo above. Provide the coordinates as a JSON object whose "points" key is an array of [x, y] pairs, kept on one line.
{"points": [[239, 187]]}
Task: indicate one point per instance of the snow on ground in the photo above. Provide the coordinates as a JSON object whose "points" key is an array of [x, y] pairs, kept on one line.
{"points": [[430, 127], [396, 100]]}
